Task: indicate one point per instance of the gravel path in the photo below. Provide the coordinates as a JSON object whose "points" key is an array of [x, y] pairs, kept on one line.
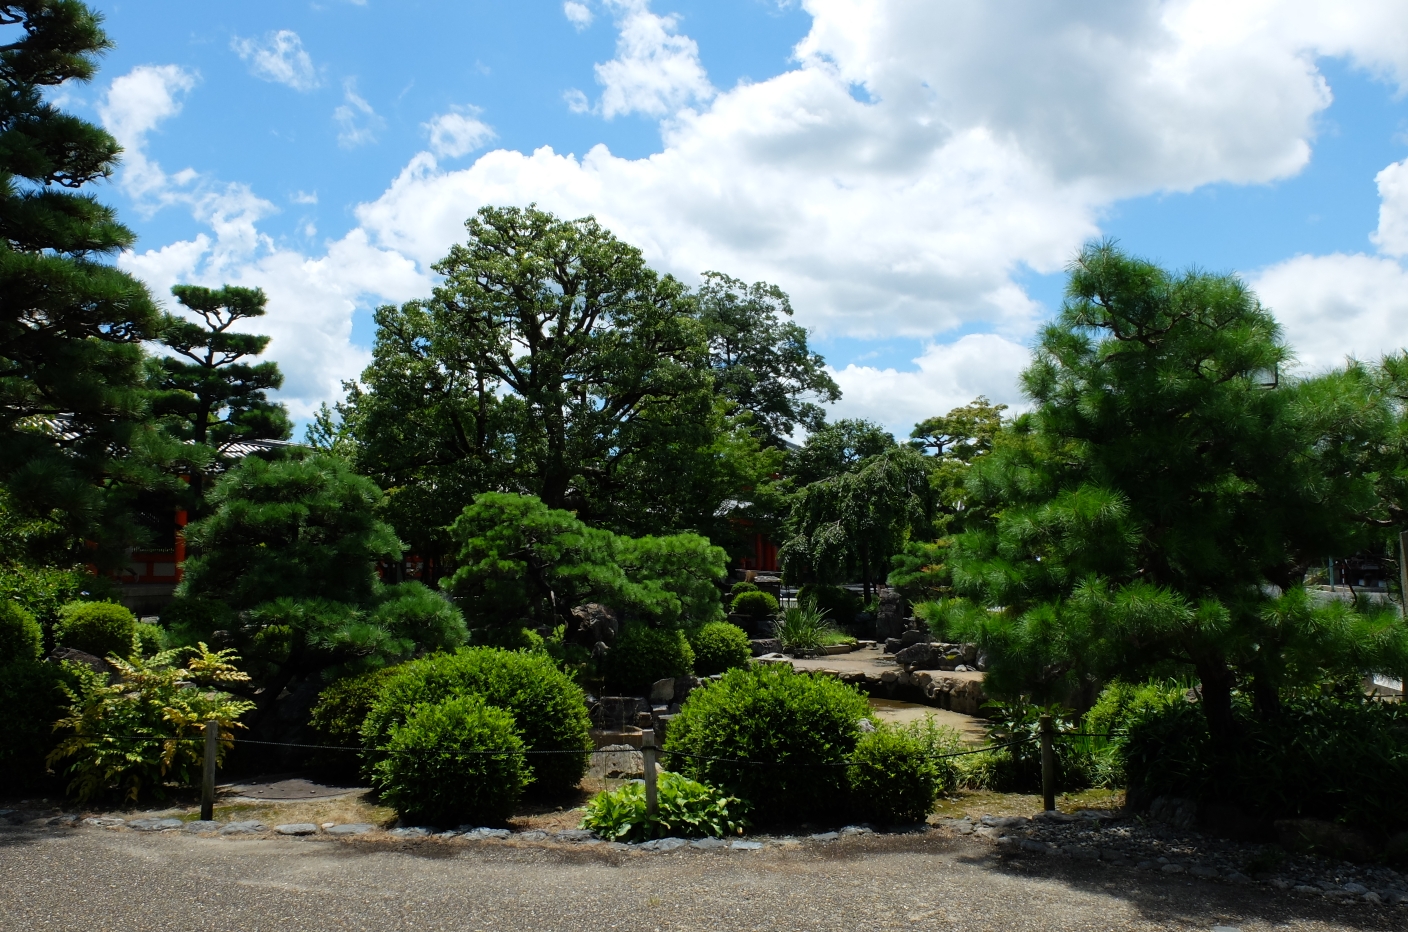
{"points": [[94, 878]]}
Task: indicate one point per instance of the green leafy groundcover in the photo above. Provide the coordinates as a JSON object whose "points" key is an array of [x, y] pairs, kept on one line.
{"points": [[685, 808]]}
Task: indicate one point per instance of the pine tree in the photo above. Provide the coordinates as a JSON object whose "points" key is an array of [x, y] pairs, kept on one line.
{"points": [[71, 326], [207, 394]]}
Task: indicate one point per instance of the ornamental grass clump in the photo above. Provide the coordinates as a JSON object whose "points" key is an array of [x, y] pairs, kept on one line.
{"points": [[685, 808], [802, 728], [549, 710], [719, 646], [804, 628], [144, 732], [451, 762]]}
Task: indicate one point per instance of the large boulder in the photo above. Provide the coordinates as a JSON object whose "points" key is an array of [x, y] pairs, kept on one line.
{"points": [[762, 646], [596, 624], [617, 713], [889, 617]]}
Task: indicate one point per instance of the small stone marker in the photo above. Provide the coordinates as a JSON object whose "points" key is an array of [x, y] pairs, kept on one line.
{"points": [[297, 828], [352, 828]]}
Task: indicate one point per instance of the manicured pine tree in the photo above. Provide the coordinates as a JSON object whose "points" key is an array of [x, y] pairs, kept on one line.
{"points": [[71, 325]]}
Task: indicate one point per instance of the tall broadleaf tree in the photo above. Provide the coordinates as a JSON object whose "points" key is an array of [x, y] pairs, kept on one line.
{"points": [[208, 392], [71, 325]]}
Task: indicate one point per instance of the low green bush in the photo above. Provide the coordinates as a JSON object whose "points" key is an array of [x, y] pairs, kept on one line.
{"points": [[754, 604], [840, 605], [433, 768], [642, 655], [719, 646], [549, 709], [97, 628], [804, 627], [803, 726], [137, 735], [892, 779], [935, 742], [150, 638], [31, 693], [416, 613], [20, 635], [507, 637], [740, 587], [43, 590], [344, 705], [685, 808], [192, 620]]}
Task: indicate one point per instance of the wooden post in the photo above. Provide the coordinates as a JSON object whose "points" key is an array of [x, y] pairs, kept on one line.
{"points": [[207, 784], [647, 750], [1048, 764]]}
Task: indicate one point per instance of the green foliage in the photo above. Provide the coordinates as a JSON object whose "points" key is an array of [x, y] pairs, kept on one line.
{"points": [[804, 725], [522, 561], [43, 590], [852, 524], [740, 587], [1123, 705], [296, 528], [150, 638], [343, 706], [433, 768], [718, 646], [685, 808], [1323, 757], [892, 780], [1168, 483], [803, 628], [71, 325], [754, 604], [20, 636], [418, 615], [549, 710], [32, 696], [837, 448], [920, 571], [204, 393], [146, 730], [955, 442], [553, 360], [97, 628], [935, 740], [192, 619], [642, 655], [840, 605]]}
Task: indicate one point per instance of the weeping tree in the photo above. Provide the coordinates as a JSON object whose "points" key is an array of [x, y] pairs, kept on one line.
{"points": [[1159, 507], [852, 524]]}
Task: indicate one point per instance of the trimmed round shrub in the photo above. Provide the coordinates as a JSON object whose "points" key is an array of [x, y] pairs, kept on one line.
{"points": [[189, 620], [642, 655], [803, 726], [719, 646], [20, 636], [754, 604], [741, 587], [549, 709], [891, 779], [343, 706], [432, 769], [97, 628]]}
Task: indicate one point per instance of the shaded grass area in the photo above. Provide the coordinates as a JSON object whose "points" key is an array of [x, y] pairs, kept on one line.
{"points": [[986, 802]]}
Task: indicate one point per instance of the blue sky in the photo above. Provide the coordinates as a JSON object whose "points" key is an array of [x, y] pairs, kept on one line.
{"points": [[914, 172]]}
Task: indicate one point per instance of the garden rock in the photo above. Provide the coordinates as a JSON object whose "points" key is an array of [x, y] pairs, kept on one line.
{"points": [[761, 646], [911, 638], [1174, 810], [410, 832], [573, 834], [297, 828], [101, 821], [351, 828], [708, 843], [889, 618], [662, 692], [201, 825], [893, 645], [616, 713], [596, 624], [826, 836], [242, 828], [746, 845], [486, 833], [533, 835], [154, 825], [616, 760], [94, 663], [1329, 837]]}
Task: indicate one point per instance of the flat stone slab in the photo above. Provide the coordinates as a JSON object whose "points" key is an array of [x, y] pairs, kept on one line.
{"points": [[573, 834], [249, 827], [201, 825], [154, 825], [290, 788], [351, 828], [480, 833], [410, 832], [746, 845], [103, 821], [826, 836], [297, 828], [708, 843], [533, 835]]}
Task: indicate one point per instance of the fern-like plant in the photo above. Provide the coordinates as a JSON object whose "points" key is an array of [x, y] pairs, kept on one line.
{"points": [[145, 731]]}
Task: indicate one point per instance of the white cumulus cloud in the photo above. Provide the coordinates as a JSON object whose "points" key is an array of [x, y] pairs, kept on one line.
{"points": [[278, 57], [578, 14], [656, 70], [458, 132], [135, 103], [357, 123]]}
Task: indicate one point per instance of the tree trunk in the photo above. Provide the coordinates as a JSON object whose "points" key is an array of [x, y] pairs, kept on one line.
{"points": [[1266, 698], [1217, 684]]}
